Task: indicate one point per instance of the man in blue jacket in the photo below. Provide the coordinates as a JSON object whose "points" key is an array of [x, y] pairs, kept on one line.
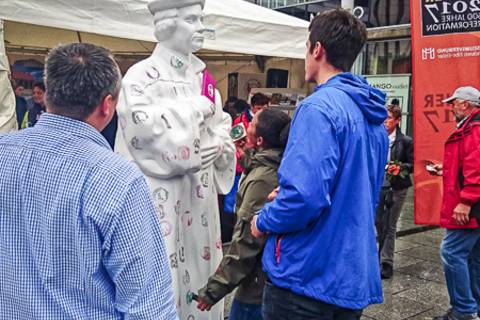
{"points": [[321, 256]]}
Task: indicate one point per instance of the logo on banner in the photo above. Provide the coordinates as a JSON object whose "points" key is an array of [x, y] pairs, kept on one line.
{"points": [[450, 16], [428, 53]]}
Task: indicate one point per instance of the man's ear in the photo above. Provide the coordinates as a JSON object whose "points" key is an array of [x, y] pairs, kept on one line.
{"points": [[318, 51], [107, 106], [260, 141]]}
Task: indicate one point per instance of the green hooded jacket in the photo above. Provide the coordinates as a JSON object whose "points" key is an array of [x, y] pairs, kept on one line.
{"points": [[241, 266]]}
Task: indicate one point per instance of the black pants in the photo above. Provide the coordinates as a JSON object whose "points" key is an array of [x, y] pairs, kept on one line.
{"points": [[282, 304], [389, 208], [227, 221]]}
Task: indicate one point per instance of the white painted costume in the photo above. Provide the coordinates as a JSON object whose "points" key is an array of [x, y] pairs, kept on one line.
{"points": [[180, 140]]}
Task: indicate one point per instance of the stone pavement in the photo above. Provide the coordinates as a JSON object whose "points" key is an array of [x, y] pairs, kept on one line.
{"points": [[417, 290]]}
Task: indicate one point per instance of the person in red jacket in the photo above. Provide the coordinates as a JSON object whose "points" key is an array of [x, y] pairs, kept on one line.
{"points": [[460, 248], [258, 102]]}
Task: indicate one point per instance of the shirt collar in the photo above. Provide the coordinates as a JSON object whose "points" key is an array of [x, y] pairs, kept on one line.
{"points": [[50, 121], [393, 135], [177, 62], [460, 124]]}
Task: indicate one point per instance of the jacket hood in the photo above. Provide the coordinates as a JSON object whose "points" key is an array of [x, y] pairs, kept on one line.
{"points": [[370, 100], [267, 157]]}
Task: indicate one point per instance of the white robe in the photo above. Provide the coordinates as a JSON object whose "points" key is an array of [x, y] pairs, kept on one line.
{"points": [[164, 126]]}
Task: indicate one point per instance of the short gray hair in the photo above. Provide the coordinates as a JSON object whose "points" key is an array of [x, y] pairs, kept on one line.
{"points": [[78, 77], [472, 103]]}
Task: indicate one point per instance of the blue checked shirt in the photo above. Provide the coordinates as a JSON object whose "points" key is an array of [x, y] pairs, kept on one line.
{"points": [[79, 235]]}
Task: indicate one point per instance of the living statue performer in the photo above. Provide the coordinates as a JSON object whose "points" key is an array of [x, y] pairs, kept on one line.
{"points": [[179, 137]]}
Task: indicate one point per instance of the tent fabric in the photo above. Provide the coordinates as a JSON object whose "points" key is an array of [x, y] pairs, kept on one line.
{"points": [[8, 120], [236, 26]]}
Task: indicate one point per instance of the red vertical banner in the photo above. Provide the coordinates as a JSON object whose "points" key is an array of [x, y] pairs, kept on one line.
{"points": [[446, 55]]}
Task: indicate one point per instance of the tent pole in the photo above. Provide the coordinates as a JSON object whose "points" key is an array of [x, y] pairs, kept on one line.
{"points": [[8, 119]]}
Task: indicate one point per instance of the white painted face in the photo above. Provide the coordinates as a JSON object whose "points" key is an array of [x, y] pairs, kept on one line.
{"points": [[188, 35]]}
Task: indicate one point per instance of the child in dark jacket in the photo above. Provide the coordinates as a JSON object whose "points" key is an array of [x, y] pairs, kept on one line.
{"points": [[242, 264]]}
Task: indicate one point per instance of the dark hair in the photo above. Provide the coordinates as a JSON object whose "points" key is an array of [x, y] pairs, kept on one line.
{"points": [[241, 105], [341, 34], [259, 99], [395, 111], [273, 125], [395, 102], [79, 76], [231, 99], [39, 84]]}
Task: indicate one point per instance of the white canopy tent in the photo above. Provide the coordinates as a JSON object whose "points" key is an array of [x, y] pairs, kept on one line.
{"points": [[235, 26]]}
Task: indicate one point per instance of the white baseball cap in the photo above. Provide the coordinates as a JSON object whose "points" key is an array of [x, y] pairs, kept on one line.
{"points": [[464, 93]]}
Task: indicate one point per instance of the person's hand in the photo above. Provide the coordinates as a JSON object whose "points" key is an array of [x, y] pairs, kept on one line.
{"points": [[202, 305], [273, 194], [206, 107], [439, 169], [240, 147], [255, 232], [460, 214], [240, 144], [208, 155]]}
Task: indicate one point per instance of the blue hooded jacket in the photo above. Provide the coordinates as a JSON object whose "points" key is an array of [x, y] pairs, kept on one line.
{"points": [[321, 229]]}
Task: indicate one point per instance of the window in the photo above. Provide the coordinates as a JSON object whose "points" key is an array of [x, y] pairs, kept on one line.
{"points": [[388, 57], [388, 12]]}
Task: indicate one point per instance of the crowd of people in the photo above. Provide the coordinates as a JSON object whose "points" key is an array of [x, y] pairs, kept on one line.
{"points": [[29, 113], [88, 233]]}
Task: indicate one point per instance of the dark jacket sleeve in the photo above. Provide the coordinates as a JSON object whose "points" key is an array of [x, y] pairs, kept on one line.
{"points": [[403, 152], [244, 251], [408, 149]]}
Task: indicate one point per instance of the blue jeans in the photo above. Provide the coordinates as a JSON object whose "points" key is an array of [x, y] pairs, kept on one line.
{"points": [[245, 311], [460, 253], [283, 304]]}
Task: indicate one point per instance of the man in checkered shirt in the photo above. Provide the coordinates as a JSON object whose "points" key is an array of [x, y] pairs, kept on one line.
{"points": [[79, 235]]}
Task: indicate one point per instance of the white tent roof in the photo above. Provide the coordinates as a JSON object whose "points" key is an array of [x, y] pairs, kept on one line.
{"points": [[240, 26]]}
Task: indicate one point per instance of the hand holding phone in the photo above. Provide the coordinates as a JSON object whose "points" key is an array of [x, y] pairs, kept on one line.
{"points": [[434, 169]]}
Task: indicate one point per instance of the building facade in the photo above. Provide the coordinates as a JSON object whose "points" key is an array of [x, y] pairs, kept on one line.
{"points": [[388, 53]]}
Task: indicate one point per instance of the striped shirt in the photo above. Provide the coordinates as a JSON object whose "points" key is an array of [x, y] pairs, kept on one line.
{"points": [[79, 234]]}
